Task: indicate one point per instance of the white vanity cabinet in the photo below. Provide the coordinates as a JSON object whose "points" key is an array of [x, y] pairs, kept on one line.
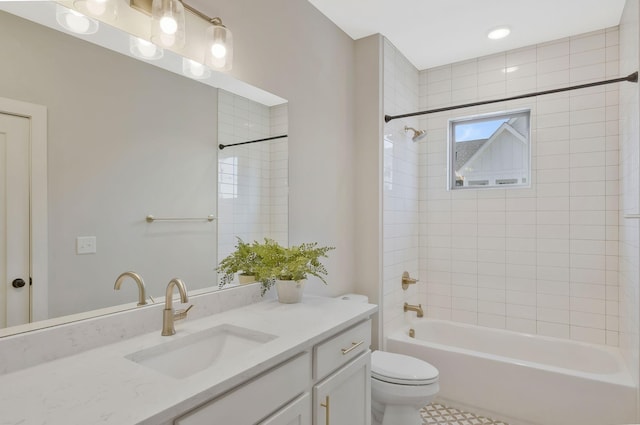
{"points": [[342, 372], [344, 398], [256, 399], [328, 386], [298, 412], [320, 351]]}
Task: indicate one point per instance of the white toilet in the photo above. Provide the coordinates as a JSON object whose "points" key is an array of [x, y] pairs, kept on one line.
{"points": [[400, 385]]}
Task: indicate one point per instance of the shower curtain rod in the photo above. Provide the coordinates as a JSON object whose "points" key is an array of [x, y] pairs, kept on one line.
{"points": [[221, 146], [633, 78]]}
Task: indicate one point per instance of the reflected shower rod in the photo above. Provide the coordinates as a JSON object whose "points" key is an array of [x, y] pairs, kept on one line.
{"points": [[632, 78], [221, 146]]}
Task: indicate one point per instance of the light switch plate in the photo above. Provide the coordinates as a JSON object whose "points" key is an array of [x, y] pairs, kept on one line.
{"points": [[86, 245]]}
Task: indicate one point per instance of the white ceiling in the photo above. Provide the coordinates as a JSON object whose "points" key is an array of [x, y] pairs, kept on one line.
{"points": [[438, 32]]}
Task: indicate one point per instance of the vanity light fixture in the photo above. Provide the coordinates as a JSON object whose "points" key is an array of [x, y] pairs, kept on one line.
{"points": [[499, 32], [106, 10], [75, 21], [168, 30], [219, 50], [144, 49], [167, 23], [195, 70]]}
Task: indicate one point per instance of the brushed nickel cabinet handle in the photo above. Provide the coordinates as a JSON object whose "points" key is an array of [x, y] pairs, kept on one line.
{"points": [[354, 345], [326, 406]]}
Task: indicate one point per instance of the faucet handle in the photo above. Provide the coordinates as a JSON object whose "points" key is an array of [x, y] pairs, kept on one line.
{"points": [[407, 280], [182, 314]]}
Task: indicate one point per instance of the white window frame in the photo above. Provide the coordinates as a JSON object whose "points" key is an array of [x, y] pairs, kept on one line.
{"points": [[483, 117]]}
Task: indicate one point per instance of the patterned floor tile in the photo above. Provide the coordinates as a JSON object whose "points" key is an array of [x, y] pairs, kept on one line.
{"points": [[439, 414]]}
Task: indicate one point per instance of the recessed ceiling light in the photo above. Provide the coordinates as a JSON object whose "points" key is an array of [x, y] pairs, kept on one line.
{"points": [[498, 33]]}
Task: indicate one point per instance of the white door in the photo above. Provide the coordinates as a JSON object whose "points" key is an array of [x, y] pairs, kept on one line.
{"points": [[14, 220]]}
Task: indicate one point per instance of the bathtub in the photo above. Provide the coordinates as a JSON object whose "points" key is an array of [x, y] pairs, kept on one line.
{"points": [[523, 379]]}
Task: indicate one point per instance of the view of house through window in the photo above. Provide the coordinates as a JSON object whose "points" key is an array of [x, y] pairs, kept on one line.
{"points": [[490, 151]]}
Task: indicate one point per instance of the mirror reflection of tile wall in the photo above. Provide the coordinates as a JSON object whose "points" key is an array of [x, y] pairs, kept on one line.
{"points": [[253, 178]]}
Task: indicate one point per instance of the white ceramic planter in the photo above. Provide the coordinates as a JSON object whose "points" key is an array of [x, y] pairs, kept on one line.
{"points": [[290, 291], [243, 279]]}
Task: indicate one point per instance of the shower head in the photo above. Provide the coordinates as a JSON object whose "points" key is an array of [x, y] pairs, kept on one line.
{"points": [[417, 134]]}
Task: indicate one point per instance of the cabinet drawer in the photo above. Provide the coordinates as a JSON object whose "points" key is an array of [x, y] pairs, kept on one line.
{"points": [[333, 353], [256, 399]]}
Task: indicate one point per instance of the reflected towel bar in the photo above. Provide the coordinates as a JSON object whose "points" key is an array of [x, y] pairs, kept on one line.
{"points": [[632, 216], [151, 219], [221, 146], [632, 78]]}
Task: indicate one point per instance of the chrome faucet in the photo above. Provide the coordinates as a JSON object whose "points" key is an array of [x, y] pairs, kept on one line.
{"points": [[416, 308], [168, 314], [142, 297]]}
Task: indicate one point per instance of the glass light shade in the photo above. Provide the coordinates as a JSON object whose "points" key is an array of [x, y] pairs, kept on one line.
{"points": [[167, 23], [144, 49], [106, 10], [75, 21], [219, 50], [195, 70]]}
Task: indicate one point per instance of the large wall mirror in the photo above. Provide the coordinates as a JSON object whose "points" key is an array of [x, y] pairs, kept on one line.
{"points": [[252, 172], [126, 139]]}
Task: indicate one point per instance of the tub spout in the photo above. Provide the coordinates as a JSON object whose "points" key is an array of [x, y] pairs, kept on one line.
{"points": [[416, 308]]}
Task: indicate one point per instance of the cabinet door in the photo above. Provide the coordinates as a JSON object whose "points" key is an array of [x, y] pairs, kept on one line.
{"points": [[344, 398], [298, 412], [256, 399]]}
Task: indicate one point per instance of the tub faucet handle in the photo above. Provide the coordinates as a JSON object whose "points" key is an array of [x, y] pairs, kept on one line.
{"points": [[407, 280]]}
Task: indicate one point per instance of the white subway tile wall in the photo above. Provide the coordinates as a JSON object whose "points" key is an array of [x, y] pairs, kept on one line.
{"points": [[400, 201], [623, 314], [544, 259], [252, 179]]}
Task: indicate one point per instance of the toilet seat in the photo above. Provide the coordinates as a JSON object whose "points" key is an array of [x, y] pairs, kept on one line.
{"points": [[400, 369]]}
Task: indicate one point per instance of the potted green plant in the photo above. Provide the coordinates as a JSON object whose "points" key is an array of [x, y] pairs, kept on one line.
{"points": [[242, 261], [288, 268]]}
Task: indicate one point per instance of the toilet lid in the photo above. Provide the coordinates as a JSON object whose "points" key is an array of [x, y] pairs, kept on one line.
{"points": [[400, 369]]}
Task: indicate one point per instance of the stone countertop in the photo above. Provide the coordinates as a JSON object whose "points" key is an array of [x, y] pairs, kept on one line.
{"points": [[101, 386]]}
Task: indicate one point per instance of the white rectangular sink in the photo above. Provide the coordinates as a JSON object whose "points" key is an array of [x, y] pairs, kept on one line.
{"points": [[186, 355]]}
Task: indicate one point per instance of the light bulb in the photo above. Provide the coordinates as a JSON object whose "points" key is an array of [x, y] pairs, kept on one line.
{"points": [[218, 50], [168, 25], [219, 53]]}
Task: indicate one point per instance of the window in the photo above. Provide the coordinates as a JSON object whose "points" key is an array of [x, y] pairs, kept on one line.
{"points": [[488, 151]]}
